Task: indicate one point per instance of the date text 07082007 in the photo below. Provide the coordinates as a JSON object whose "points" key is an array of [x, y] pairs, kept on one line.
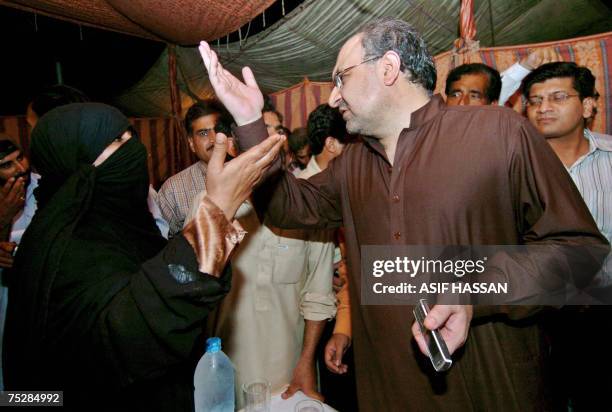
{"points": [[31, 398]]}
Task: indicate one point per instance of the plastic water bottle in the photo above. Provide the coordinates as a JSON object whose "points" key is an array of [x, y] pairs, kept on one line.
{"points": [[214, 380]]}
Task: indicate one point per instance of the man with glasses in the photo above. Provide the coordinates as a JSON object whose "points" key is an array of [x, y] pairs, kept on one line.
{"points": [[426, 174], [561, 99], [177, 193]]}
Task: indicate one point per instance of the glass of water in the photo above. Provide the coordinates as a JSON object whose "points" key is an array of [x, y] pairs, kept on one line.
{"points": [[257, 395], [309, 405]]}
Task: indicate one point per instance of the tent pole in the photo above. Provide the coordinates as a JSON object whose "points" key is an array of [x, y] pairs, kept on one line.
{"points": [[58, 72], [177, 126]]}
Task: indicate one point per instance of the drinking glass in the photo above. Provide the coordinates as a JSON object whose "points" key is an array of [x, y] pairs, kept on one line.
{"points": [[257, 395], [309, 405]]}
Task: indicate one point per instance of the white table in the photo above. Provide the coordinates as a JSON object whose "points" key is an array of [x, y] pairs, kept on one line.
{"points": [[278, 404]]}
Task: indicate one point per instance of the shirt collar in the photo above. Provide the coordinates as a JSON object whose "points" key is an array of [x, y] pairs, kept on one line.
{"points": [[203, 166], [313, 165], [598, 141], [426, 113], [418, 118]]}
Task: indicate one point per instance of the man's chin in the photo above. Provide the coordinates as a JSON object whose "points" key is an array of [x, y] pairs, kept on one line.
{"points": [[354, 127], [549, 134]]}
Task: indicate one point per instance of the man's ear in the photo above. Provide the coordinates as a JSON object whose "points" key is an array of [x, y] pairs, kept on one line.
{"points": [[330, 144], [391, 64], [589, 106], [232, 150], [191, 146]]}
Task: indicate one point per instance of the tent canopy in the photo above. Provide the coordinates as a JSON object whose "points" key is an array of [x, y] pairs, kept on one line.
{"points": [[306, 41], [175, 21]]}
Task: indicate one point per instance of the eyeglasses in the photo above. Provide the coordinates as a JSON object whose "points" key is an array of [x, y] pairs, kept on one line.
{"points": [[337, 78], [555, 98]]}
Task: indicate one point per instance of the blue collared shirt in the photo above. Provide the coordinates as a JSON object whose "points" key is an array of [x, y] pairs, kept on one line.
{"points": [[592, 174]]}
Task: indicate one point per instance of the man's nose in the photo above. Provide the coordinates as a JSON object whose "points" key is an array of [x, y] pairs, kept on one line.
{"points": [[21, 167], [334, 97], [544, 106], [465, 100]]}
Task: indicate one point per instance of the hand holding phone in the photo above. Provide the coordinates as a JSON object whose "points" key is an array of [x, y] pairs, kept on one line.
{"points": [[436, 347]]}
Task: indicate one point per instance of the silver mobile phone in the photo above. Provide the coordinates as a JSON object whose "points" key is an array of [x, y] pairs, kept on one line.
{"points": [[438, 352]]}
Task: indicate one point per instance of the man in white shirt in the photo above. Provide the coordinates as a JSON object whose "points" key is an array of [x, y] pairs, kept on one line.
{"points": [[272, 319]]}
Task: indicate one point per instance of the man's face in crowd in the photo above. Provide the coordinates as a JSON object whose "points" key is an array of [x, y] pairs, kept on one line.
{"points": [[303, 155], [15, 165], [469, 90], [202, 139], [272, 122], [555, 108], [358, 99]]}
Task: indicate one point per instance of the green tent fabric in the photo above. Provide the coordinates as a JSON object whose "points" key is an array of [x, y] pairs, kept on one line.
{"points": [[306, 41]]}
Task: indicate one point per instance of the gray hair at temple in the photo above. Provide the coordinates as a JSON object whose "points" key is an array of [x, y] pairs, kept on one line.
{"points": [[388, 33]]}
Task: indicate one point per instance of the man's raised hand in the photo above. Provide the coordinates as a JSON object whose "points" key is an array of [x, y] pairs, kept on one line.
{"points": [[243, 100]]}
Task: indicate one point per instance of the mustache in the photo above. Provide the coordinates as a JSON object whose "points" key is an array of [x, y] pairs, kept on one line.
{"points": [[25, 175]]}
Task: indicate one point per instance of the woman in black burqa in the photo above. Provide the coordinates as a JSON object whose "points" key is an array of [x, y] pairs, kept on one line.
{"points": [[99, 306]]}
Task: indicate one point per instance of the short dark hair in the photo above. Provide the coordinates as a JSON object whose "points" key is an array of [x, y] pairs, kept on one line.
{"points": [[55, 96], [388, 33], [200, 109], [493, 89], [269, 107], [583, 80], [298, 139], [7, 146], [325, 121]]}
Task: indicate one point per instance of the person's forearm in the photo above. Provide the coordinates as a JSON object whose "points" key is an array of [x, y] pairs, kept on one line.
{"points": [[212, 237], [313, 329]]}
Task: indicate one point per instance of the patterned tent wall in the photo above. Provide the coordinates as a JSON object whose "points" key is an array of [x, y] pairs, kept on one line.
{"points": [[296, 102], [167, 153], [594, 52]]}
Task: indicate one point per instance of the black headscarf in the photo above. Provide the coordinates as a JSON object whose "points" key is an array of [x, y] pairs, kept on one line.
{"points": [[92, 230]]}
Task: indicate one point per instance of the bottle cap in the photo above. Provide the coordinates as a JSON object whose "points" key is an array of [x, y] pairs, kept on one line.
{"points": [[213, 344]]}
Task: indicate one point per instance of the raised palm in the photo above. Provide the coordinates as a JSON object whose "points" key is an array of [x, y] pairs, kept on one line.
{"points": [[244, 100]]}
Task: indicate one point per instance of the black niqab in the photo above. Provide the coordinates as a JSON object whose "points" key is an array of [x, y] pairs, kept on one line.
{"points": [[92, 229]]}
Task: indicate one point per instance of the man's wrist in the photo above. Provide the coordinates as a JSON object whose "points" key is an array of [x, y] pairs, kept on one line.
{"points": [[307, 357], [247, 120]]}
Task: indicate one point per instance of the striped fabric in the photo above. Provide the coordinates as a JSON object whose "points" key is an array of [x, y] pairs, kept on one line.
{"points": [[467, 25], [592, 174], [296, 102]]}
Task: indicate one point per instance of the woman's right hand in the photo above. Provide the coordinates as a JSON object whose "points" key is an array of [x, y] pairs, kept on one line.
{"points": [[229, 184]]}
